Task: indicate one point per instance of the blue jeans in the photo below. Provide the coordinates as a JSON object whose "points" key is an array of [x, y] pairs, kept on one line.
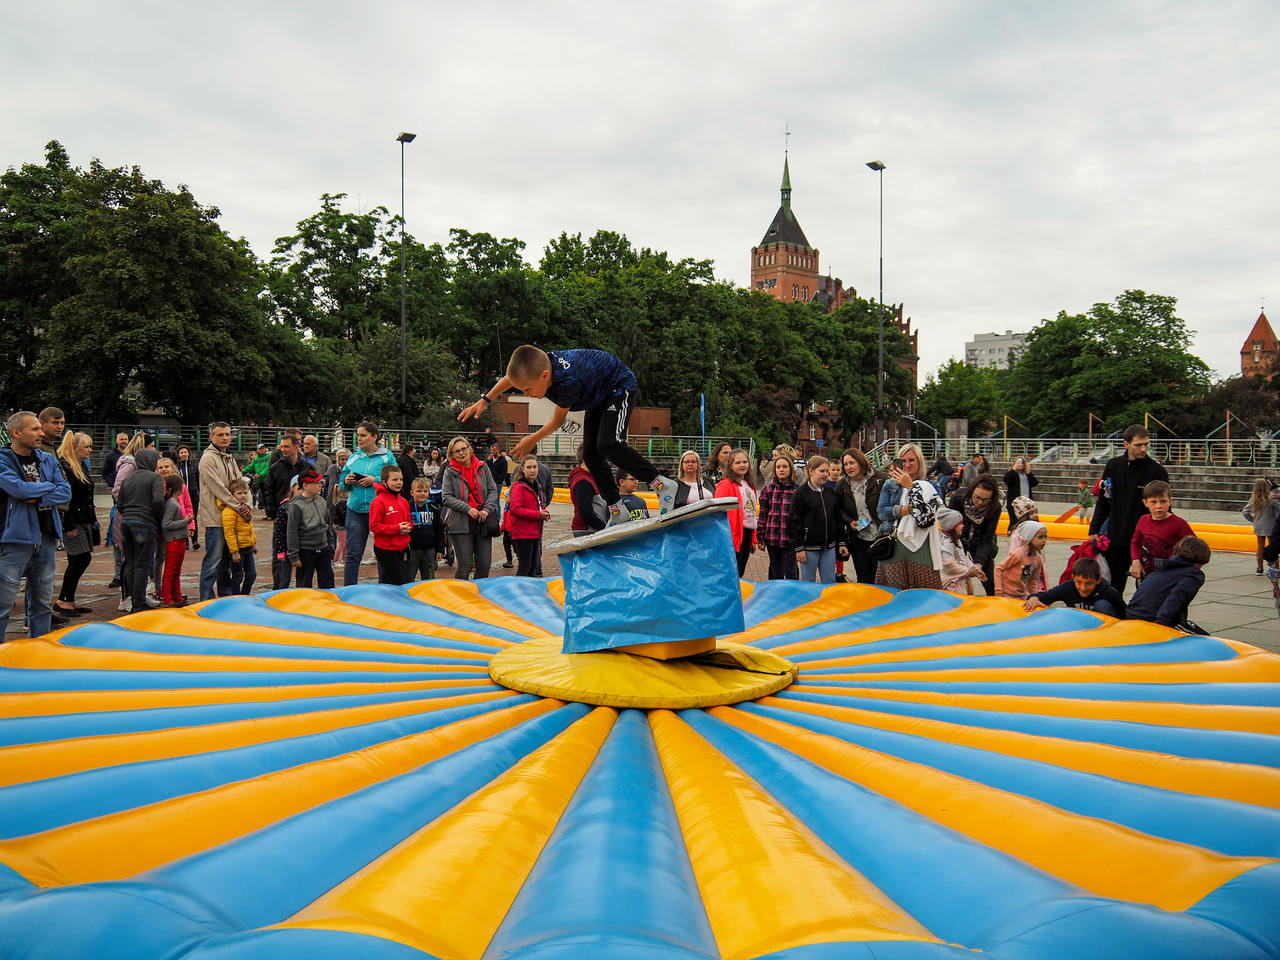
{"points": [[35, 564], [357, 537], [821, 562], [242, 572], [215, 579]]}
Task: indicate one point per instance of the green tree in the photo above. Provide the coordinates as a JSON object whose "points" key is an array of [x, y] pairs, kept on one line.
{"points": [[960, 391], [1120, 360]]}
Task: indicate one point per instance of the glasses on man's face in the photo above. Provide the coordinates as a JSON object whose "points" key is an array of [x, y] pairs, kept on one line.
{"points": [[978, 499]]}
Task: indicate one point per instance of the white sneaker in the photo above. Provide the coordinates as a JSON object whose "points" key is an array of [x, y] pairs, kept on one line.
{"points": [[126, 605], [666, 489], [154, 603], [617, 515]]}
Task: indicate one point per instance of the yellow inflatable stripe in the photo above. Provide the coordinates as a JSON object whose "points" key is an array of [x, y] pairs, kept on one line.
{"points": [[61, 702], [318, 603], [463, 597], [469, 864], [972, 612], [45, 654], [839, 600], [1104, 858], [1201, 716], [1251, 666], [187, 624], [1245, 783], [39, 761], [130, 842], [556, 589], [1117, 633], [768, 882]]}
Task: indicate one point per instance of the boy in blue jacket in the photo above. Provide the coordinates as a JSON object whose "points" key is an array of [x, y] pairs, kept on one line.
{"points": [[605, 388], [31, 488], [1165, 594]]}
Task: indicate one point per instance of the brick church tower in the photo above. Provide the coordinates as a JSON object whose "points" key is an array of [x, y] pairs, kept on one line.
{"points": [[784, 264]]}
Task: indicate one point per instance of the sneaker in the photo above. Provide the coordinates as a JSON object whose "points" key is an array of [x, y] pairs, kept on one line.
{"points": [[508, 565], [126, 605], [617, 515], [666, 489], [114, 584], [154, 603], [1259, 571]]}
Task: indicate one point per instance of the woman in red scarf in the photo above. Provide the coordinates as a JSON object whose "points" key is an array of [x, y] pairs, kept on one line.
{"points": [[469, 495]]}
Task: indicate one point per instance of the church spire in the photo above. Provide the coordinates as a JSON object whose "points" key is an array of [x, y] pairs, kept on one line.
{"points": [[786, 181]]}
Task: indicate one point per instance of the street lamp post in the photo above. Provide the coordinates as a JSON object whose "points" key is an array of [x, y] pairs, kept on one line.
{"points": [[404, 339], [878, 167]]}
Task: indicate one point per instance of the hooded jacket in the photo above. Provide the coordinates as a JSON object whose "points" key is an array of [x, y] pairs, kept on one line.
{"points": [[22, 519], [386, 513], [141, 500]]}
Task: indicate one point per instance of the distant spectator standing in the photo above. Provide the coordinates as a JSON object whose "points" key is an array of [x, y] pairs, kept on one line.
{"points": [[52, 422], [312, 453], [281, 473], [255, 471], [309, 533], [432, 466], [112, 458], [240, 538], [33, 487], [528, 515], [189, 471], [739, 481], [79, 519], [813, 524], [693, 485], [1263, 511], [408, 465], [718, 462], [358, 476], [141, 507], [217, 471], [1120, 502], [1019, 481], [1084, 500], [975, 468], [470, 495], [775, 513]]}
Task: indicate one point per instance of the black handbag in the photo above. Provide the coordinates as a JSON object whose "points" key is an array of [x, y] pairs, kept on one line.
{"points": [[881, 548], [493, 522]]}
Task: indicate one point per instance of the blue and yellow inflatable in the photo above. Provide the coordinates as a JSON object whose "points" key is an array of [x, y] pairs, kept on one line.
{"points": [[335, 775]]}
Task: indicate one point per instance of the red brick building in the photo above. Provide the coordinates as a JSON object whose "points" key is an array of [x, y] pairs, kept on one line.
{"points": [[1260, 355]]}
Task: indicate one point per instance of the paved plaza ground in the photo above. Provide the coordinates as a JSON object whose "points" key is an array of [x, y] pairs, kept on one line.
{"points": [[1234, 603]]}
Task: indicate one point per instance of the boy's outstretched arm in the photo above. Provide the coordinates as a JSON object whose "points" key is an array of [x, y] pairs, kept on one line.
{"points": [[498, 389], [528, 444]]}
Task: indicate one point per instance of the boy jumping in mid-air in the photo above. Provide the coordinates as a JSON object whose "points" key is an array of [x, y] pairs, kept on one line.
{"points": [[602, 386]]}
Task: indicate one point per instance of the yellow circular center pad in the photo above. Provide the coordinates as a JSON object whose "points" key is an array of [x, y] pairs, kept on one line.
{"points": [[730, 674]]}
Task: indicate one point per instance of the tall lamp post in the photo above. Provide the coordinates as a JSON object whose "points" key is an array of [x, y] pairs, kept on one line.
{"points": [[878, 167], [404, 339]]}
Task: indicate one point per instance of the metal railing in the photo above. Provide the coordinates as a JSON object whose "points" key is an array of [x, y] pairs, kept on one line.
{"points": [[1208, 452]]}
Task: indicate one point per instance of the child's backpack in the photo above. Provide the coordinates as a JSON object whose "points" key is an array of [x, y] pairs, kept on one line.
{"points": [[1093, 547]]}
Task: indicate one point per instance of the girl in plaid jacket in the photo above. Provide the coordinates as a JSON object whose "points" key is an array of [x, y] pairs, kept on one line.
{"points": [[775, 505]]}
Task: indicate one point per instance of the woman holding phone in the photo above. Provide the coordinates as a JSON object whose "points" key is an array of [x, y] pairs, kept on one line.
{"points": [[908, 507]]}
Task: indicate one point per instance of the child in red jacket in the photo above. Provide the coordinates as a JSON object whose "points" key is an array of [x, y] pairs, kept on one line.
{"points": [[527, 514], [390, 524]]}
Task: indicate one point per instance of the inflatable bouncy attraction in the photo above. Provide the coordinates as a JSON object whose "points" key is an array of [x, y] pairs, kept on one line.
{"points": [[850, 773]]}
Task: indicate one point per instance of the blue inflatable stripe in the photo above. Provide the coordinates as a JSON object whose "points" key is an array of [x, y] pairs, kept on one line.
{"points": [[903, 606], [50, 681], [1182, 650], [255, 612], [305, 863], [891, 845], [294, 942], [1232, 746], [106, 636], [1050, 622], [773, 598], [24, 730], [1248, 904], [1236, 829], [1222, 694], [45, 804], [526, 595], [618, 848], [875, 950], [396, 600]]}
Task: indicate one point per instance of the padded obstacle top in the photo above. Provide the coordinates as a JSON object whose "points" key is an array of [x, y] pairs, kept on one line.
{"points": [[649, 525]]}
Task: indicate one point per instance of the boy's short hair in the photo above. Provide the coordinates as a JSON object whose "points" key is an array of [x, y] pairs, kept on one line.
{"points": [[173, 484], [1133, 431], [387, 470], [619, 474], [1156, 488], [1193, 549], [1087, 567], [1083, 483], [238, 484], [420, 483], [527, 361]]}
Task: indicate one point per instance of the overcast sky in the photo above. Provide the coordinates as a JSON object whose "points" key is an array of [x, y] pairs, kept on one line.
{"points": [[1040, 156]]}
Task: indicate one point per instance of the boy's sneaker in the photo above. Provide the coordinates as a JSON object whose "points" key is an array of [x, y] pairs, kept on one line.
{"points": [[666, 489], [617, 515], [126, 605]]}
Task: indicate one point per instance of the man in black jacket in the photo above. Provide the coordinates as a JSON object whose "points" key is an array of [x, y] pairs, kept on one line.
{"points": [[1120, 502], [281, 472]]}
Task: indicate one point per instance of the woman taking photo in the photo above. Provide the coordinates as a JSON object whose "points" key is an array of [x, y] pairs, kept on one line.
{"points": [[470, 495], [78, 520], [980, 507], [858, 496], [908, 504], [812, 525]]}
